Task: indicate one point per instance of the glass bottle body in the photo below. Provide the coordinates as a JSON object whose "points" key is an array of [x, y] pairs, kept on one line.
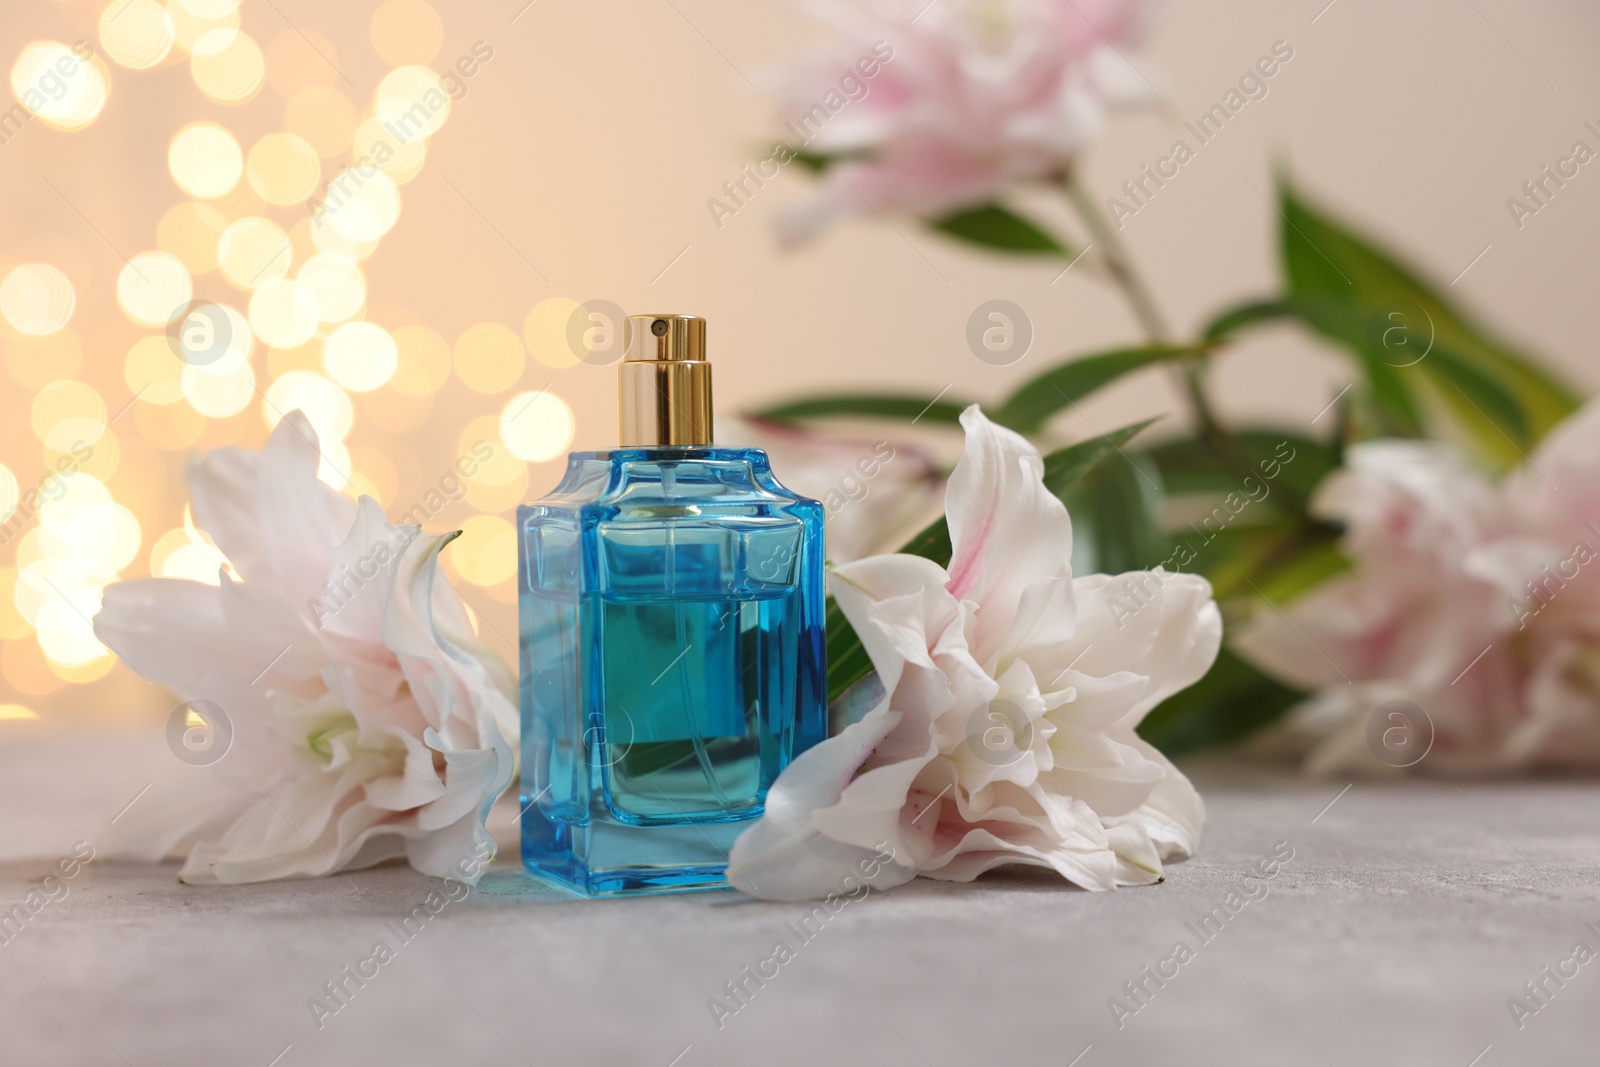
{"points": [[671, 611]]}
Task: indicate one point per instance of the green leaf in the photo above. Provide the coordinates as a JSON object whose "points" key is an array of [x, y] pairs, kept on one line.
{"points": [[1116, 509], [1027, 409], [868, 405], [1275, 458], [1232, 700], [992, 226], [1415, 344], [848, 662], [1233, 320]]}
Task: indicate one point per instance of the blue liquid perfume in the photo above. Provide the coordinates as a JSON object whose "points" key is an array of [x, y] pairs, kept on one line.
{"points": [[671, 610]]}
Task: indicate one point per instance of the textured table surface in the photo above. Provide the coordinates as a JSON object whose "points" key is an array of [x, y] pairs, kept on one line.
{"points": [[1408, 916]]}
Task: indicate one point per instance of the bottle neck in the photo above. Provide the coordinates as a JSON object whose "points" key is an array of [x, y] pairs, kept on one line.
{"points": [[664, 403]]}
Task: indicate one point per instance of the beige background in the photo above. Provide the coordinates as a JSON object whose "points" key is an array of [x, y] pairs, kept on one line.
{"points": [[594, 137]]}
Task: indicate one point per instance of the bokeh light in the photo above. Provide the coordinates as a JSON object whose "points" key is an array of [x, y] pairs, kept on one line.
{"points": [[324, 117], [285, 314], [66, 414], [37, 299], [205, 160], [154, 373], [488, 358], [361, 356], [406, 32], [190, 232], [153, 287], [136, 34], [412, 103], [326, 406], [227, 66], [65, 89], [254, 252], [424, 361], [545, 331], [283, 169], [340, 287], [37, 361], [486, 552], [536, 427], [300, 58], [188, 27], [362, 204]]}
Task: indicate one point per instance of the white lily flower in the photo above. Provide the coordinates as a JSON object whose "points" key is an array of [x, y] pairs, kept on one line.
{"points": [[1010, 692], [368, 722]]}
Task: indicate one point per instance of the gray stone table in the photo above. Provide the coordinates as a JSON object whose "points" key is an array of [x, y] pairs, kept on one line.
{"points": [[1408, 917]]}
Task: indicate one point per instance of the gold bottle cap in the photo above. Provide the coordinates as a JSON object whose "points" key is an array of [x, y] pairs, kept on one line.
{"points": [[665, 382]]}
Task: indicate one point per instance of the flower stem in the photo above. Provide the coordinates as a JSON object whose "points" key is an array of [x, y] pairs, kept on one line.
{"points": [[1120, 266]]}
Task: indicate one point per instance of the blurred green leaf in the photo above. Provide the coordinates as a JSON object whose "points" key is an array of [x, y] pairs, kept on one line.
{"points": [[868, 405], [848, 662], [992, 226], [1235, 319], [1275, 457], [1027, 409], [1117, 507], [1232, 700], [1416, 346]]}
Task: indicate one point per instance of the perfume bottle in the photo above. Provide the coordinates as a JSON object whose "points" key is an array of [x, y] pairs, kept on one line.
{"points": [[671, 631]]}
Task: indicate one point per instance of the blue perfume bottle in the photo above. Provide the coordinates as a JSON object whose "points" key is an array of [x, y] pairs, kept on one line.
{"points": [[671, 617]]}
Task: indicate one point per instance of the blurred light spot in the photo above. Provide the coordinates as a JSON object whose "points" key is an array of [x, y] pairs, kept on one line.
{"points": [[299, 59], [9, 493], [326, 406], [37, 299], [406, 31], [205, 160], [84, 673], [68, 413], [254, 252], [14, 712], [169, 426], [340, 287], [26, 668], [546, 331], [378, 471], [281, 361], [64, 631], [227, 65], [210, 9], [190, 231], [486, 552], [99, 460], [327, 239], [136, 34], [400, 160], [396, 412], [37, 361], [487, 461], [489, 358], [219, 394], [360, 356], [325, 117], [536, 426], [12, 624], [412, 103], [56, 84], [196, 562], [188, 27], [153, 288], [491, 498], [98, 537], [361, 204], [285, 314], [284, 169], [424, 361]]}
